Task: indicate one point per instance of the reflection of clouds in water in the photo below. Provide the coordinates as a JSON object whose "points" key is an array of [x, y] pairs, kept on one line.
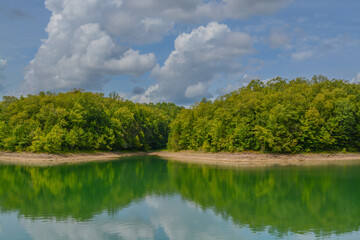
{"points": [[306, 237], [152, 218], [183, 220], [130, 231], [52, 229], [11, 227], [312, 236]]}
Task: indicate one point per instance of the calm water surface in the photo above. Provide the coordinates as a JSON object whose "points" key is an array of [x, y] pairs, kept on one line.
{"points": [[149, 198]]}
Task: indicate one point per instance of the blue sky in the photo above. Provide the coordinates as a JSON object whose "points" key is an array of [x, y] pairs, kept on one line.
{"points": [[172, 50]]}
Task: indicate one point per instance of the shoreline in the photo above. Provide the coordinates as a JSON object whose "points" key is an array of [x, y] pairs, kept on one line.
{"points": [[261, 159], [53, 159], [220, 159]]}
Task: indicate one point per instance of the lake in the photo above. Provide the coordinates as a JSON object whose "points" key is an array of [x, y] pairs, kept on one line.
{"points": [[151, 198]]}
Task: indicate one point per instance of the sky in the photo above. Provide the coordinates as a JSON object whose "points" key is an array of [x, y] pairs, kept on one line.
{"points": [[173, 50]]}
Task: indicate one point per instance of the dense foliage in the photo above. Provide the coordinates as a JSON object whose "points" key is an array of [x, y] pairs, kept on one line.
{"points": [[277, 116], [77, 120]]}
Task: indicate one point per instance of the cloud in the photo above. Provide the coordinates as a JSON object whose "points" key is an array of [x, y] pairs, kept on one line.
{"points": [[218, 10], [310, 46], [241, 82], [279, 39], [79, 52], [199, 57], [301, 55], [137, 30], [197, 90], [204, 10], [356, 79], [296, 43], [81, 57], [3, 64], [91, 40]]}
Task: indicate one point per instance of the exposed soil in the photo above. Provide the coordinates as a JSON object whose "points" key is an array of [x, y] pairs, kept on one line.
{"points": [[224, 159]]}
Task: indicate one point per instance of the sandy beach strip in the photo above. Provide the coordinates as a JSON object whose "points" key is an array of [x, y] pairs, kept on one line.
{"points": [[260, 159], [221, 159], [50, 159]]}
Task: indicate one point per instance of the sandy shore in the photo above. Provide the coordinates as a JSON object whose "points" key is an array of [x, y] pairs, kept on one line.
{"points": [[223, 159], [48, 159], [260, 159]]}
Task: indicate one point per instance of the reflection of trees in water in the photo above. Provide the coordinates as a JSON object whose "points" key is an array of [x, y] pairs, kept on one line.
{"points": [[78, 191], [322, 200]]}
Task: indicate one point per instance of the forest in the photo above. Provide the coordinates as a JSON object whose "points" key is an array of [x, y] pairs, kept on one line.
{"points": [[82, 121], [278, 116]]}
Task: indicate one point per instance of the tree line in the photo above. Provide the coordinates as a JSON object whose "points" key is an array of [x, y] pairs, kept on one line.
{"points": [[282, 116], [82, 121]]}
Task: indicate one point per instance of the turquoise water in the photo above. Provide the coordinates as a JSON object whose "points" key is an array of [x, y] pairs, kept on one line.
{"points": [[150, 198]]}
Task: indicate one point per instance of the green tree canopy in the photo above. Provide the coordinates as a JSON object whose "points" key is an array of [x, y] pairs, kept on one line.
{"points": [[77, 120], [277, 116]]}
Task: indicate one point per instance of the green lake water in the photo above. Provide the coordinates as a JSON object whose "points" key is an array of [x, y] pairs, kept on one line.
{"points": [[150, 198]]}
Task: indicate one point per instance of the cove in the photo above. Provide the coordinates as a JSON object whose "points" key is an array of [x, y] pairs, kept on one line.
{"points": [[152, 198]]}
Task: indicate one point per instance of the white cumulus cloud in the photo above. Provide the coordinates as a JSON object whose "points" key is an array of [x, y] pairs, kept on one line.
{"points": [[199, 58], [89, 40], [79, 52]]}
